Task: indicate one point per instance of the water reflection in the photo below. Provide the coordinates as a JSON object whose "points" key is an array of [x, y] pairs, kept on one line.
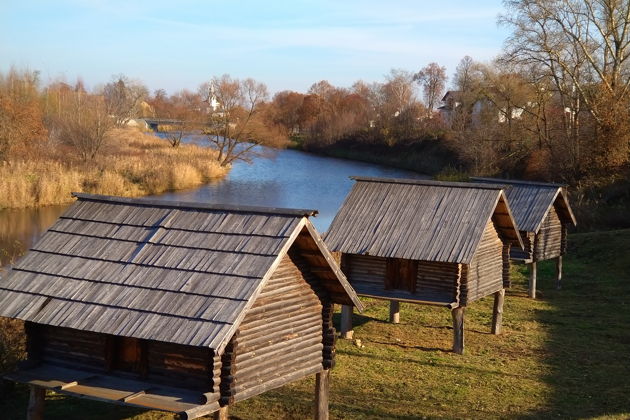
{"points": [[285, 178], [290, 179], [19, 229]]}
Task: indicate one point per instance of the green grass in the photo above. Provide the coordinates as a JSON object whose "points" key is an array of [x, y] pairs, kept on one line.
{"points": [[565, 355]]}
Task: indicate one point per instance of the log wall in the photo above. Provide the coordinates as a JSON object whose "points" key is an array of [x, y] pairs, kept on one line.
{"points": [[434, 280], [68, 347], [282, 337], [549, 240], [365, 270], [485, 273], [177, 365], [527, 253], [169, 364]]}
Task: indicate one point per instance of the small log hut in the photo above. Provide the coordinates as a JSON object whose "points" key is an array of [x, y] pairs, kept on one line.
{"points": [[426, 242], [181, 307], [543, 215]]}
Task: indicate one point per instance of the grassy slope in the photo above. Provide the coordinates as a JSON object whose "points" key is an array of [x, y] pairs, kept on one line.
{"points": [[562, 356]]}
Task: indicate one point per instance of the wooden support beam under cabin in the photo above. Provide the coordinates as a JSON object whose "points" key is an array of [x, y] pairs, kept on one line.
{"points": [[346, 322], [458, 329], [36, 400], [394, 311], [322, 386], [559, 272], [221, 413], [532, 280], [497, 312]]}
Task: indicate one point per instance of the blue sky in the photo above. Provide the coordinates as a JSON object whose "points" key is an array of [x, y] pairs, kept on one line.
{"points": [[285, 44]]}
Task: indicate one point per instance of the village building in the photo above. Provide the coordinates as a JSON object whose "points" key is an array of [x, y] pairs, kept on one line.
{"points": [[181, 307], [426, 242], [543, 215]]}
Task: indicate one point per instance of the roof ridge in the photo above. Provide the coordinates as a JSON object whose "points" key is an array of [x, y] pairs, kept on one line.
{"points": [[429, 182], [149, 202], [518, 181]]}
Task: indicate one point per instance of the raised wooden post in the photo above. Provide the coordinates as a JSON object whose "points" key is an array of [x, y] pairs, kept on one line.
{"points": [[394, 311], [346, 322], [222, 414], [35, 409], [322, 385], [458, 329], [559, 273], [532, 280], [497, 312]]}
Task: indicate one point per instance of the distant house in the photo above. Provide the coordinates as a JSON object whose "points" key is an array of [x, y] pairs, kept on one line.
{"points": [[453, 101], [543, 215], [180, 307], [426, 242]]}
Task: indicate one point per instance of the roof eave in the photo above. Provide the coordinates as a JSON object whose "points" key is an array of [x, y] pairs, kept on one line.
{"points": [[343, 281], [195, 206]]}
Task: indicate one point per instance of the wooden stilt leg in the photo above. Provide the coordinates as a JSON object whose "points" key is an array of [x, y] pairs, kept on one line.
{"points": [[394, 311], [497, 313], [559, 273], [532, 280], [322, 385], [222, 414], [36, 403], [458, 329], [346, 322]]}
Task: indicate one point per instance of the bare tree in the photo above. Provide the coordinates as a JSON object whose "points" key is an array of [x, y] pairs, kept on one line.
{"points": [[432, 78], [84, 123], [238, 126], [124, 98], [20, 113], [583, 48]]}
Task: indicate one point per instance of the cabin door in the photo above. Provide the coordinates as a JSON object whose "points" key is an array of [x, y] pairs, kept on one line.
{"points": [[127, 354], [401, 274]]}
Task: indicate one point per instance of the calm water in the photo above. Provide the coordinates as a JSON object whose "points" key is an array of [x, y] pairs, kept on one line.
{"points": [[284, 178]]}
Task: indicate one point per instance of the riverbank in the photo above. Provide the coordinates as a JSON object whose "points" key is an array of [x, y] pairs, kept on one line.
{"points": [[430, 156], [560, 356], [131, 164]]}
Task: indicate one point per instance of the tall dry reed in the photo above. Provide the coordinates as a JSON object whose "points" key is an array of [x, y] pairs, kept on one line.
{"points": [[132, 164]]}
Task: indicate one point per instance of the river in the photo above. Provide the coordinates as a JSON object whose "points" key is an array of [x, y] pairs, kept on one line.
{"points": [[281, 178]]}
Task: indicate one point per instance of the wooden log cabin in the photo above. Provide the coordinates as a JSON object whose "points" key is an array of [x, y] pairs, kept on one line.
{"points": [[180, 307], [543, 215], [426, 242]]}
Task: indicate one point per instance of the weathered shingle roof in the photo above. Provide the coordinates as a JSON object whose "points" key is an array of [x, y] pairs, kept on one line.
{"points": [[175, 272], [531, 201], [419, 220]]}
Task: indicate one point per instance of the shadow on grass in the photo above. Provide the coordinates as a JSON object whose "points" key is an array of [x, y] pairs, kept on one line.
{"points": [[456, 367], [357, 320], [588, 349], [14, 401]]}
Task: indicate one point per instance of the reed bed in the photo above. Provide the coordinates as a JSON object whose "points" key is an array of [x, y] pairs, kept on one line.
{"points": [[132, 164]]}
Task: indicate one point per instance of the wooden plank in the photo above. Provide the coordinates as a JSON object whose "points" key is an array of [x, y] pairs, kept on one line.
{"points": [[532, 280], [559, 272], [346, 322], [222, 414], [458, 329], [322, 387], [35, 410], [497, 312], [394, 311]]}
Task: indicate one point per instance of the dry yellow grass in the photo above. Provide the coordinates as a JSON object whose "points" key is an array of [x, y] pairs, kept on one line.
{"points": [[132, 164]]}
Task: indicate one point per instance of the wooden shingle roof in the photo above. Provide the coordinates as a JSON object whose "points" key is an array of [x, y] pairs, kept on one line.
{"points": [[531, 201], [418, 219], [175, 272]]}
